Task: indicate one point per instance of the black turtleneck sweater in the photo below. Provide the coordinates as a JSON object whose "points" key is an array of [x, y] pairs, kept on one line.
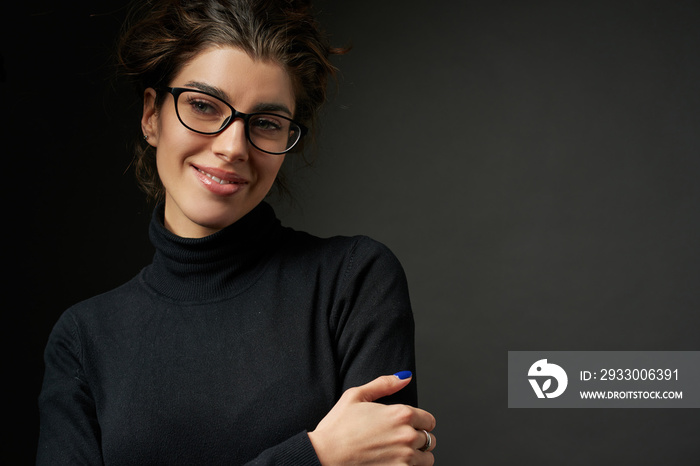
{"points": [[225, 350]]}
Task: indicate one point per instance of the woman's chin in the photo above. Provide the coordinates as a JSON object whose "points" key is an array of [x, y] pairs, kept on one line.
{"points": [[213, 223], [199, 216], [200, 222]]}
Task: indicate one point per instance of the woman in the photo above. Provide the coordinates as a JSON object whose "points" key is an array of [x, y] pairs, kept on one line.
{"points": [[244, 341]]}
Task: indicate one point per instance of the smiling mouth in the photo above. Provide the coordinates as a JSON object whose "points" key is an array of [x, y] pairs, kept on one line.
{"points": [[217, 179]]}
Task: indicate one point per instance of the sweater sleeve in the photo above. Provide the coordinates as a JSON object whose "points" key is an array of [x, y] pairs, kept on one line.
{"points": [[373, 321], [296, 451], [69, 432], [374, 332]]}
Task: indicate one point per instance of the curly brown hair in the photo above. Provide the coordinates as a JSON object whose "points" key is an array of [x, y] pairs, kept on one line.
{"points": [[162, 36]]}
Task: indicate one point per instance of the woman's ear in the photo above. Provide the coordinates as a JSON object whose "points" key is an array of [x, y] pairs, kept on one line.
{"points": [[149, 119]]}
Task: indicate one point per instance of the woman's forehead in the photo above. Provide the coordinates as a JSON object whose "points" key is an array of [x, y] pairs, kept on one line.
{"points": [[234, 76]]}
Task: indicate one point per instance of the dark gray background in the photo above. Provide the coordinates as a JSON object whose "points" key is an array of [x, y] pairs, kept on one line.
{"points": [[534, 166]]}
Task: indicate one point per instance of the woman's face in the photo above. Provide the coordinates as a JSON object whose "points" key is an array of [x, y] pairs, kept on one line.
{"points": [[197, 205]]}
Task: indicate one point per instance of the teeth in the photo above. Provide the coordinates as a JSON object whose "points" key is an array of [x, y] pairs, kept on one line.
{"points": [[215, 178]]}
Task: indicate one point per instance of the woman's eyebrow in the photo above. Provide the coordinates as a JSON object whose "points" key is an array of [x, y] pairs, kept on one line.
{"points": [[213, 90], [272, 108], [217, 92]]}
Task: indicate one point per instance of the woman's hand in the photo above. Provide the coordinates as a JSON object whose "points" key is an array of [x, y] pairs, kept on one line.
{"points": [[359, 431]]}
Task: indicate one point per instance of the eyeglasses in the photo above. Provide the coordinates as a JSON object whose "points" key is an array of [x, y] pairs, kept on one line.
{"points": [[204, 113]]}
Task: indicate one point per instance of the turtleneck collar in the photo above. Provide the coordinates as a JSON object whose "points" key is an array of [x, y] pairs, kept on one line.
{"points": [[215, 267]]}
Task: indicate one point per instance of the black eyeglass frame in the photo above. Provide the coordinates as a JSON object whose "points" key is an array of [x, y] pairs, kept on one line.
{"points": [[177, 91]]}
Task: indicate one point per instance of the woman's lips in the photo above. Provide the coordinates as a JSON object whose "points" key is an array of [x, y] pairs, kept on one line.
{"points": [[218, 181]]}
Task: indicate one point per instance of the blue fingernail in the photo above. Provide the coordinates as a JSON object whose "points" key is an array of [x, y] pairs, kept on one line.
{"points": [[403, 375]]}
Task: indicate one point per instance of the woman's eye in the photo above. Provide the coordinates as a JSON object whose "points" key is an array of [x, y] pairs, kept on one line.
{"points": [[200, 106], [266, 124]]}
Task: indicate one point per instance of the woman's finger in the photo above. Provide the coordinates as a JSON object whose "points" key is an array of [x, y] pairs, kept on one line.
{"points": [[424, 459], [380, 387], [422, 419]]}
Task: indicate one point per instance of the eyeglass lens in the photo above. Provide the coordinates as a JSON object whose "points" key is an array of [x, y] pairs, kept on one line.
{"points": [[266, 131]]}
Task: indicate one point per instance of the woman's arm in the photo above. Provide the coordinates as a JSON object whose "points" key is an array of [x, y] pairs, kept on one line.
{"points": [[376, 421], [69, 432], [372, 320]]}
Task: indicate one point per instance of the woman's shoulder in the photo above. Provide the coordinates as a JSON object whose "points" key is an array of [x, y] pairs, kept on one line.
{"points": [[339, 242], [352, 251], [104, 304]]}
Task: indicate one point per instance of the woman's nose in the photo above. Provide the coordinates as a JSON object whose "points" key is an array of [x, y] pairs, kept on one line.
{"points": [[232, 144]]}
